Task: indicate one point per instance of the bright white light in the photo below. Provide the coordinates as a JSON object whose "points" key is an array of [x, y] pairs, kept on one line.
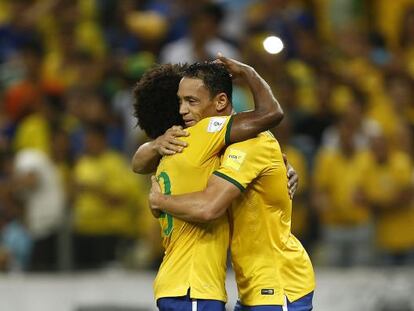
{"points": [[273, 45]]}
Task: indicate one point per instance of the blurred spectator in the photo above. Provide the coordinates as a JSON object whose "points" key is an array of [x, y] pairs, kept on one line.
{"points": [[35, 130], [401, 95], [22, 96], [17, 29], [90, 106], [204, 42], [346, 221], [15, 241], [37, 185], [389, 16], [313, 111], [15, 244], [354, 105], [387, 187], [105, 202]]}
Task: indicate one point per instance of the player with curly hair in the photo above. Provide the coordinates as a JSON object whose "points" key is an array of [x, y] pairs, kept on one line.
{"points": [[188, 244], [252, 175], [156, 105]]}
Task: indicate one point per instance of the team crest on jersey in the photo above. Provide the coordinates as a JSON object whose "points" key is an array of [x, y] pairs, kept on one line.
{"points": [[216, 124], [234, 159]]}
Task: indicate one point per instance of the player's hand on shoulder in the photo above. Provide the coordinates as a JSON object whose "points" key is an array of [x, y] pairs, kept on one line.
{"points": [[168, 143]]}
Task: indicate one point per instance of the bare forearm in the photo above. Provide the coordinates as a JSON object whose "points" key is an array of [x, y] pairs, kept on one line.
{"points": [[267, 114], [146, 159], [202, 206], [264, 99], [184, 208]]}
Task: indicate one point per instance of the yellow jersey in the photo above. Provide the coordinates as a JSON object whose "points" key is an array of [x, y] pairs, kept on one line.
{"points": [[195, 254], [268, 260]]}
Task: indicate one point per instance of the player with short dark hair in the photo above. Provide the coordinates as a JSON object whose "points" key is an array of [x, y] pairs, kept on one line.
{"points": [[193, 269], [280, 268], [214, 75]]}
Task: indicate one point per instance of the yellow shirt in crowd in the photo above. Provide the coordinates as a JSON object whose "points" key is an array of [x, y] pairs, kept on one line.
{"points": [[33, 132], [339, 177], [103, 177], [381, 184]]}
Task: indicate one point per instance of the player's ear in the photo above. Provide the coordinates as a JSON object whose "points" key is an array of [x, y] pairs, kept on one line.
{"points": [[222, 102]]}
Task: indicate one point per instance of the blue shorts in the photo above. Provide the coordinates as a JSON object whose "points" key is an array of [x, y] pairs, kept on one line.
{"points": [[186, 303], [302, 304]]}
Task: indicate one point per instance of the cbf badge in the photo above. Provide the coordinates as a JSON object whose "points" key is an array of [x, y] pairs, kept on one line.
{"points": [[234, 159], [216, 124]]}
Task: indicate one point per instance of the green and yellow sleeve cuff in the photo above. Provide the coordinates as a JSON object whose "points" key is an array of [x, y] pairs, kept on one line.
{"points": [[229, 179]]}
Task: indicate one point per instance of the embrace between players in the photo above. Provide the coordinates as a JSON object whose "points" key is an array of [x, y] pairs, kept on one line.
{"points": [[221, 182]]}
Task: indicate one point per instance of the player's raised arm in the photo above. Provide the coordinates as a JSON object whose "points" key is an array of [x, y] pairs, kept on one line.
{"points": [[267, 113]]}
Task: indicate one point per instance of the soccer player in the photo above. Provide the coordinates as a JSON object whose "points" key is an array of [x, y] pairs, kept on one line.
{"points": [[249, 171], [193, 270]]}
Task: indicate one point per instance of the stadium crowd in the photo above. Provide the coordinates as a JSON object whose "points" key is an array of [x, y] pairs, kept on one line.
{"points": [[345, 79]]}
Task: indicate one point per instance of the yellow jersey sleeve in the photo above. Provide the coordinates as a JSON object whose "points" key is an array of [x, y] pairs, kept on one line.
{"points": [[207, 138], [244, 161]]}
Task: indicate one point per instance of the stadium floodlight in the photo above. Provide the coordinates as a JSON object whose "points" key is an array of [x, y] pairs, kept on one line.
{"points": [[273, 45]]}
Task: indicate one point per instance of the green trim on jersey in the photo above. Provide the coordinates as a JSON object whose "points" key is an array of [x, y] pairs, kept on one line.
{"points": [[228, 130], [229, 179], [167, 191]]}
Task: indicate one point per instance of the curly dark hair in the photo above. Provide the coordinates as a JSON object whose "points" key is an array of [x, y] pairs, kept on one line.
{"points": [[215, 77], [156, 105]]}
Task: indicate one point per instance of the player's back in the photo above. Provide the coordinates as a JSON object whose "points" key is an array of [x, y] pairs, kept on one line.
{"points": [[268, 260], [195, 254]]}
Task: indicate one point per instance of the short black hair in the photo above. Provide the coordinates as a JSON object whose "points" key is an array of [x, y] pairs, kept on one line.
{"points": [[156, 105], [214, 75]]}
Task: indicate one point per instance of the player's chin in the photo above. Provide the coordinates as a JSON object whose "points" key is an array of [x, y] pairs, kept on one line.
{"points": [[189, 123]]}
